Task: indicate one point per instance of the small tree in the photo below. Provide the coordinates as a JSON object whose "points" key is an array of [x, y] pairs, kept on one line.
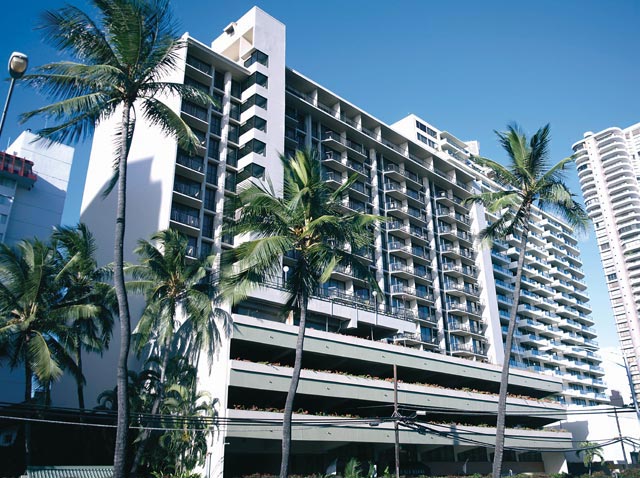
{"points": [[589, 451]]}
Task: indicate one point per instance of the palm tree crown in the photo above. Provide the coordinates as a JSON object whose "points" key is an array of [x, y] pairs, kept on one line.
{"points": [[307, 223], [529, 181]]}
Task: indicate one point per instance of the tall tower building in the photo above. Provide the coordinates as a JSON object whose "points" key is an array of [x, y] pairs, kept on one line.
{"points": [[609, 170], [442, 316]]}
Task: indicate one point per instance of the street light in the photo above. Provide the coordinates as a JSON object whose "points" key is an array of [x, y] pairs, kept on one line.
{"points": [[18, 63]]}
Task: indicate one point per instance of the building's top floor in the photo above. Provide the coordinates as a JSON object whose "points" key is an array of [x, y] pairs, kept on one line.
{"points": [[17, 168], [629, 133]]}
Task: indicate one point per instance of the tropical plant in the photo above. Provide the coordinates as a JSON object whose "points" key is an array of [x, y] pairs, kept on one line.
{"points": [[83, 283], [34, 313], [528, 181], [307, 222], [180, 316], [120, 61], [188, 418], [589, 451]]}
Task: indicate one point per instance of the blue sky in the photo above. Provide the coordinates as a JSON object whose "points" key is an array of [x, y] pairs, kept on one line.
{"points": [[468, 67]]}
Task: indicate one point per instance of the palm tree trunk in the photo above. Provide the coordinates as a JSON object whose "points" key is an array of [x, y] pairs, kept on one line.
{"points": [[293, 387], [79, 381], [122, 431], [504, 377], [155, 407]]}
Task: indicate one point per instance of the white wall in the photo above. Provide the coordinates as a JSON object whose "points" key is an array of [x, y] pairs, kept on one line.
{"points": [[36, 211]]}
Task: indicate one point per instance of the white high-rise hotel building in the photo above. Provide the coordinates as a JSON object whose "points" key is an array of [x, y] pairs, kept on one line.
{"points": [[444, 311], [609, 170]]}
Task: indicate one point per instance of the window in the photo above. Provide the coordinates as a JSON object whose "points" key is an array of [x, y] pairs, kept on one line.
{"points": [[255, 100], [194, 110], [236, 89], [254, 122], [196, 84], [3, 218], [5, 200], [232, 157], [199, 64], [253, 146], [217, 105], [421, 126], [257, 78], [212, 174], [426, 140], [218, 80], [233, 134], [611, 277], [209, 203], [215, 125], [214, 149], [257, 56]]}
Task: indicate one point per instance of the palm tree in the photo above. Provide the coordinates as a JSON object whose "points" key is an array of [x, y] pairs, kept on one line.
{"points": [[590, 450], [180, 316], [33, 317], [308, 221], [528, 181], [83, 282], [34, 313], [120, 61]]}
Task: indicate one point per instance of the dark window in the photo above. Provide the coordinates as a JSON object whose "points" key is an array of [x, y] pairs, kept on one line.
{"points": [[255, 100], [217, 106], [236, 89], [234, 111], [253, 146], [232, 156], [214, 149], [257, 78], [218, 80], [233, 133], [254, 122], [426, 140], [207, 226], [258, 56], [194, 110], [199, 64], [210, 200], [212, 174], [196, 84], [215, 125]]}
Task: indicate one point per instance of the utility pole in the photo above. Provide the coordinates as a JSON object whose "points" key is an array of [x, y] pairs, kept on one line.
{"points": [[624, 452], [396, 417]]}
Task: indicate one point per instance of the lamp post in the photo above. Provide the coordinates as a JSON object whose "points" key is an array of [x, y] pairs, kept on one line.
{"points": [[375, 307], [18, 63]]}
